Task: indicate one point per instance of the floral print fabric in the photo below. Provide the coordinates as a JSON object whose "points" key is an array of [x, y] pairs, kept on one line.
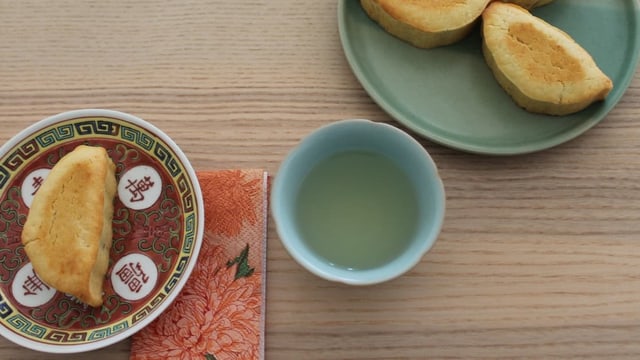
{"points": [[220, 312]]}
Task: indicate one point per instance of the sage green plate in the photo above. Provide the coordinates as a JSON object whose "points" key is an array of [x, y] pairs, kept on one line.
{"points": [[449, 95]]}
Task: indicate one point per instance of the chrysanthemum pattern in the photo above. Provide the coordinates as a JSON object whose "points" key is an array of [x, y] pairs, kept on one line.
{"points": [[219, 312]]}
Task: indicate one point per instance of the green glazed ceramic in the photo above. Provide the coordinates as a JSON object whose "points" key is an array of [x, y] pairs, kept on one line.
{"points": [[449, 95], [289, 203]]}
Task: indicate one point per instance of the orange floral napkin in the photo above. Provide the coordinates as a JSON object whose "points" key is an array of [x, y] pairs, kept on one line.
{"points": [[220, 312]]}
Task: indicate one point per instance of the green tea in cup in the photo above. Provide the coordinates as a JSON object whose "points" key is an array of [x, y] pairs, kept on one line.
{"points": [[357, 209], [358, 202]]}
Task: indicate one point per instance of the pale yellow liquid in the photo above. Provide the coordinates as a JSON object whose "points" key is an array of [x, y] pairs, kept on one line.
{"points": [[357, 210]]}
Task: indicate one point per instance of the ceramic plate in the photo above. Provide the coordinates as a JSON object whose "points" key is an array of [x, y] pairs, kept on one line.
{"points": [[449, 95], [157, 231]]}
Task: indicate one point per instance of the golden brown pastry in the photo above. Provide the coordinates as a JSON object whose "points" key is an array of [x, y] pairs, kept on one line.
{"points": [[68, 232], [528, 4], [540, 66], [426, 23]]}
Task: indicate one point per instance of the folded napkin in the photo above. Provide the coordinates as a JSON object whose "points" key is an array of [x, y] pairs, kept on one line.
{"points": [[219, 314]]}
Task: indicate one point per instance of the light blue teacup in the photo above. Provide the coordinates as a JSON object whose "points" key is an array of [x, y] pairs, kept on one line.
{"points": [[358, 202]]}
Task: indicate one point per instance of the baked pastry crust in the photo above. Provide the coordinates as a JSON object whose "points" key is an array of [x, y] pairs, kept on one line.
{"points": [[528, 4], [540, 66], [68, 231], [426, 23]]}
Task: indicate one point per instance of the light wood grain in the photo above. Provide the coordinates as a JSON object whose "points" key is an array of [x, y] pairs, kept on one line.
{"points": [[539, 256]]}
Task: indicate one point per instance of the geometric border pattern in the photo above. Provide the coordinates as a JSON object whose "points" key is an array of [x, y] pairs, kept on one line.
{"points": [[101, 127]]}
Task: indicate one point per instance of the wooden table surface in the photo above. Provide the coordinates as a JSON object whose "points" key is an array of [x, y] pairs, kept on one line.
{"points": [[539, 256]]}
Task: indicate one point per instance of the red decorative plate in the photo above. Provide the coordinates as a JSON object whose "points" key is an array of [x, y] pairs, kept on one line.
{"points": [[157, 231]]}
